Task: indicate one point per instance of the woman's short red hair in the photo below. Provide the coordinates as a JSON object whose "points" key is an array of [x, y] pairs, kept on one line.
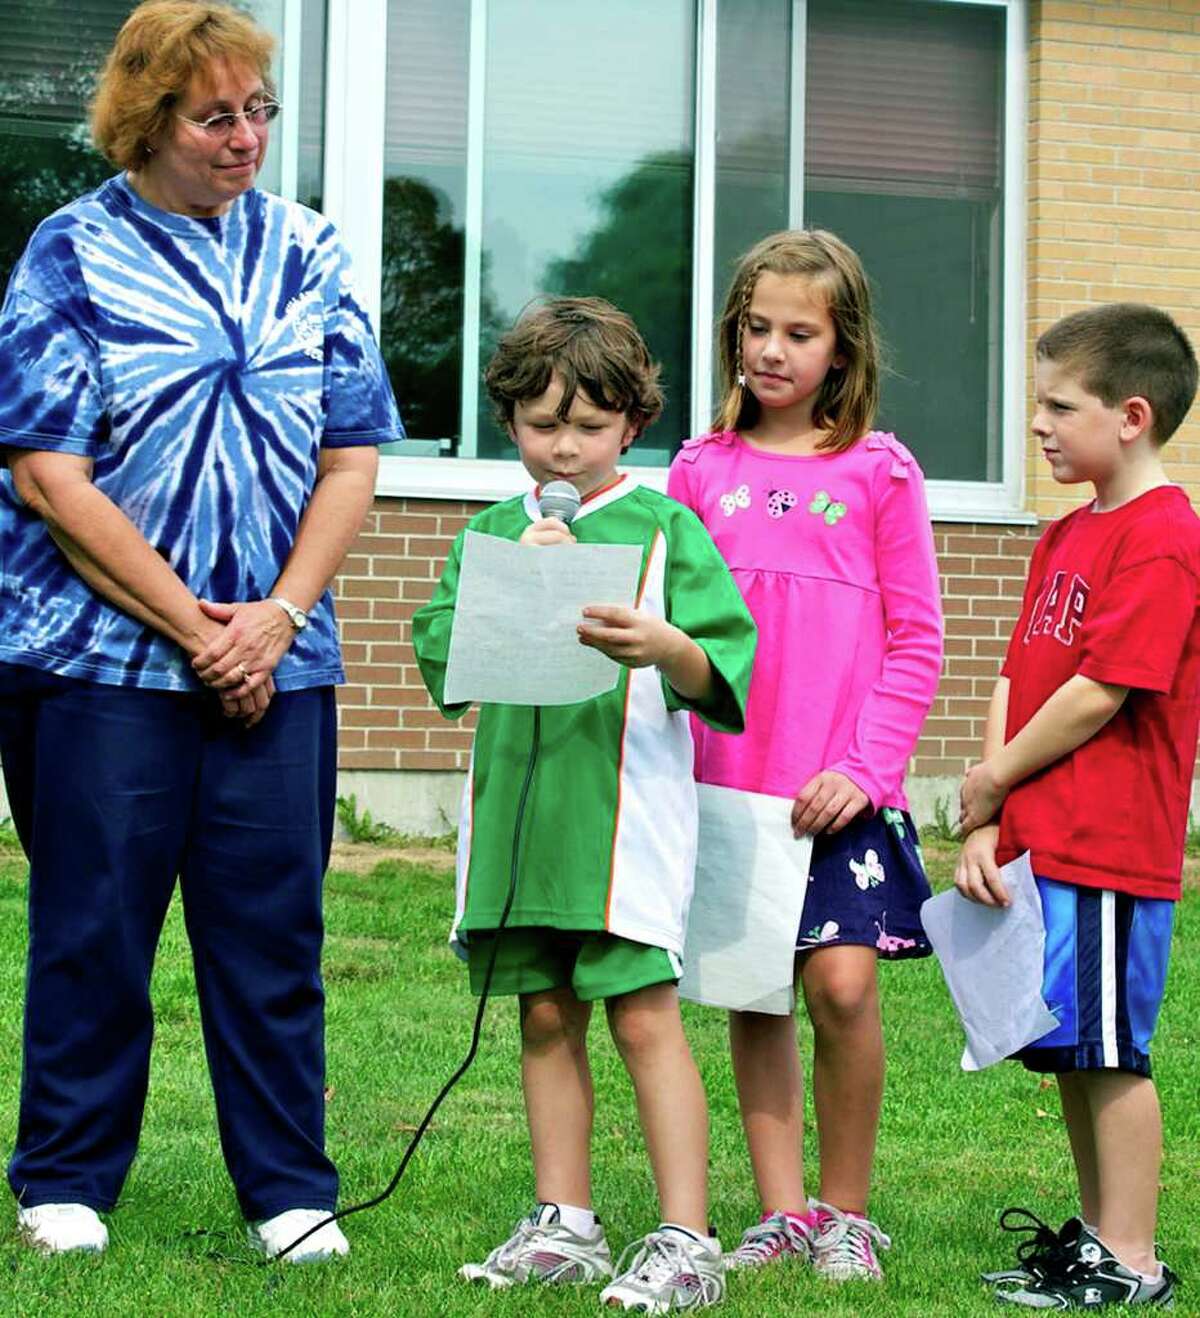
{"points": [[160, 48]]}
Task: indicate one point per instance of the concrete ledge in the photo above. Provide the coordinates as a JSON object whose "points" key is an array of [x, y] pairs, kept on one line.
{"points": [[427, 802], [413, 801]]}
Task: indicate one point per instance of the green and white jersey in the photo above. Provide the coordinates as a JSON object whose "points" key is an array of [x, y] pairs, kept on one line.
{"points": [[609, 834]]}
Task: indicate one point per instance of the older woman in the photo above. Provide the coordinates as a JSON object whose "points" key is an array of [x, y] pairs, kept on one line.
{"points": [[190, 399]]}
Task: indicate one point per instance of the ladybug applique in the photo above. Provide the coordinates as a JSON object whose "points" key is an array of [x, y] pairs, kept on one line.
{"points": [[780, 502]]}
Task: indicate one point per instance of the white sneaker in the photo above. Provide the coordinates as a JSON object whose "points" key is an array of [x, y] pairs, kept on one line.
{"points": [[274, 1235], [542, 1249], [61, 1228], [668, 1270]]}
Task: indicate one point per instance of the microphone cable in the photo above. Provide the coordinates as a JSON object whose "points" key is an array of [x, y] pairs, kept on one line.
{"points": [[464, 1065], [559, 499]]}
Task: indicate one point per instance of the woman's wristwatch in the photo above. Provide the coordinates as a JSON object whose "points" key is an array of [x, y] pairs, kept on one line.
{"points": [[296, 616]]}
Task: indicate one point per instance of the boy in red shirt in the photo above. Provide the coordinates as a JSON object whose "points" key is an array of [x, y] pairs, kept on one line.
{"points": [[1087, 763]]}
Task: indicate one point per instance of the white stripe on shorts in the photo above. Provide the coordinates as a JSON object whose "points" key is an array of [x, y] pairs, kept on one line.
{"points": [[1108, 976]]}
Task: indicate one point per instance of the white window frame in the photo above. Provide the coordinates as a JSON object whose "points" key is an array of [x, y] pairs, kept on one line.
{"points": [[290, 92], [354, 173]]}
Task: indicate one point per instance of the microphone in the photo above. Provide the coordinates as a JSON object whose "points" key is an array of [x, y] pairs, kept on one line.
{"points": [[559, 499]]}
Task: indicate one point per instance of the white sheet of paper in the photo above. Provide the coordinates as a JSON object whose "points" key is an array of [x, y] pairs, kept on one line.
{"points": [[992, 958], [751, 876], [514, 641]]}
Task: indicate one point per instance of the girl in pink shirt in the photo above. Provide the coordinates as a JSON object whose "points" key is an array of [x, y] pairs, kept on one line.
{"points": [[823, 523]]}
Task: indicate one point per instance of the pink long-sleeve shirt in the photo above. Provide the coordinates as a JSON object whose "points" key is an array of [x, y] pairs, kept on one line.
{"points": [[833, 553]]}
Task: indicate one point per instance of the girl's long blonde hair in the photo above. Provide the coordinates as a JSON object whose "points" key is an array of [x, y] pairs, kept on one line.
{"points": [[849, 395]]}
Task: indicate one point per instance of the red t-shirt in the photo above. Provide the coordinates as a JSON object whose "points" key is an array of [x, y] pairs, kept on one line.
{"points": [[1112, 596]]}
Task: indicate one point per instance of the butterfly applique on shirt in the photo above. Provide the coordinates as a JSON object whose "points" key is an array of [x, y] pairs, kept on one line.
{"points": [[831, 509]]}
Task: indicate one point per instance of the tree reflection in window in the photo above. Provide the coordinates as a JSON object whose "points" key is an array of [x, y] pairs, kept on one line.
{"points": [[421, 308], [639, 256]]}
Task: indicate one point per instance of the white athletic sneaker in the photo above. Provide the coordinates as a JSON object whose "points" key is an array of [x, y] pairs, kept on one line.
{"points": [[542, 1249], [61, 1228], [844, 1245], [275, 1234], [669, 1270]]}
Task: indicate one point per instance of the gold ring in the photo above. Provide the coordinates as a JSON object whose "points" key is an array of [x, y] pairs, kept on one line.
{"points": [[241, 672]]}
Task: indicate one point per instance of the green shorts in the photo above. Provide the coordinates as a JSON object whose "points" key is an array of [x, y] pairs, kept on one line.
{"points": [[594, 965]]}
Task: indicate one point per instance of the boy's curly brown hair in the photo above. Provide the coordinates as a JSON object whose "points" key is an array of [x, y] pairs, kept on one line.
{"points": [[591, 345]]}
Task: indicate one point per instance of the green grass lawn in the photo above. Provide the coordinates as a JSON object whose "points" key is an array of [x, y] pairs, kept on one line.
{"points": [[954, 1149]]}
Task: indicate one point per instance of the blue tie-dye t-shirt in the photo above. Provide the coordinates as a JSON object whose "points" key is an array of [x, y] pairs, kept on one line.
{"points": [[201, 364]]}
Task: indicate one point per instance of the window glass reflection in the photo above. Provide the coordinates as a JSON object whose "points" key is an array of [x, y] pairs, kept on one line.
{"points": [[588, 175], [753, 119], [424, 217], [586, 183], [907, 166], [48, 60]]}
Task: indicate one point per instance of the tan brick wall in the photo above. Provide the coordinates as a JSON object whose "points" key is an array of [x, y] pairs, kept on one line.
{"points": [[1114, 167], [982, 570], [385, 718]]}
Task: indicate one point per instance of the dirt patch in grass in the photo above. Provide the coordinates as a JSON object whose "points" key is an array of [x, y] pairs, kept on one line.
{"points": [[362, 857]]}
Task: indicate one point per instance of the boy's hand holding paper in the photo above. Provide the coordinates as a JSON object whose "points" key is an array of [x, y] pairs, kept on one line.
{"points": [[992, 958]]}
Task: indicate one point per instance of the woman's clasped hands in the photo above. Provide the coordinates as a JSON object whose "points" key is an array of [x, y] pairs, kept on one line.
{"points": [[238, 660]]}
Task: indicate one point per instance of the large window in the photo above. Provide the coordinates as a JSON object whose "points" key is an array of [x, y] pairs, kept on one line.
{"points": [[478, 153], [634, 151]]}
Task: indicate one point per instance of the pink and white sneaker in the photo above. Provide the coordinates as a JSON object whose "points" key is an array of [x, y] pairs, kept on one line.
{"points": [[844, 1245], [778, 1236]]}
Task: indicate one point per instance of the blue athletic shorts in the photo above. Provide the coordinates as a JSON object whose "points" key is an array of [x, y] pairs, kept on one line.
{"points": [[1106, 968]]}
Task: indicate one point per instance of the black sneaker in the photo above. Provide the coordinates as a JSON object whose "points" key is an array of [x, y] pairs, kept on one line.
{"points": [[1044, 1251], [1094, 1279]]}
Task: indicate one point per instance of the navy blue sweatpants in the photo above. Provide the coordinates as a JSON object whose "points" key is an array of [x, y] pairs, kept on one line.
{"points": [[116, 793]]}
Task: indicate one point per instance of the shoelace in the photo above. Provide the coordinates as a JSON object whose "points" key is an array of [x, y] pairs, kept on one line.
{"points": [[661, 1255], [1042, 1254], [847, 1240], [773, 1236], [510, 1250], [505, 1256]]}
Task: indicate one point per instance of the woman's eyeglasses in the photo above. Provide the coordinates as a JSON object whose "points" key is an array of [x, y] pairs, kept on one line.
{"points": [[221, 125]]}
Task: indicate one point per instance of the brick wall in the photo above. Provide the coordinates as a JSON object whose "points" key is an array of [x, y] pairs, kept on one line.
{"points": [[385, 718], [388, 723], [982, 570]]}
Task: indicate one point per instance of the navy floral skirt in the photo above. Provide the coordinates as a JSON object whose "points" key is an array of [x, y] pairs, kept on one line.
{"points": [[866, 885]]}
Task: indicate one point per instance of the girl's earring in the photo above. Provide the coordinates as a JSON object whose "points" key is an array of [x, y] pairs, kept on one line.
{"points": [[741, 379]]}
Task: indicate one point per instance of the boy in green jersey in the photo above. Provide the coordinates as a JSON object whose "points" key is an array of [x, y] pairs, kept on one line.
{"points": [[608, 837]]}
